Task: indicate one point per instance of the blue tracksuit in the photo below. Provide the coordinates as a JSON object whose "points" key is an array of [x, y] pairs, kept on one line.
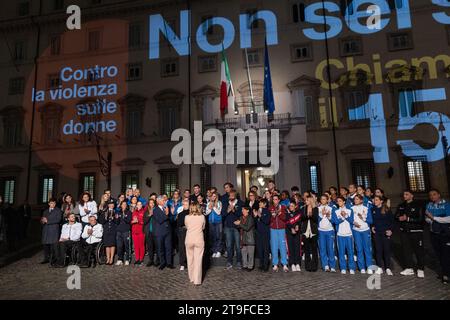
{"points": [[344, 237], [326, 238], [362, 235]]}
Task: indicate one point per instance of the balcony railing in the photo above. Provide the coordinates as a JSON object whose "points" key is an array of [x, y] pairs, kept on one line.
{"points": [[257, 121]]}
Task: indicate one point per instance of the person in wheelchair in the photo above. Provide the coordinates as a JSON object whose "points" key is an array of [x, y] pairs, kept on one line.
{"points": [[92, 236], [70, 236]]}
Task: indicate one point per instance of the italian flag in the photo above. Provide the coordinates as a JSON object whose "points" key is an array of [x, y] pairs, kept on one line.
{"points": [[226, 86]]}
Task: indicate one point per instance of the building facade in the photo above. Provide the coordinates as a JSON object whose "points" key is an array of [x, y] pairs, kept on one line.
{"points": [[353, 108]]}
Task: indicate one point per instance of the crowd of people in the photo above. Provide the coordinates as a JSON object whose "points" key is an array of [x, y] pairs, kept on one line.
{"points": [[342, 229]]}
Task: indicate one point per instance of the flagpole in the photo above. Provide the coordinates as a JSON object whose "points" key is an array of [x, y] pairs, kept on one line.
{"points": [[249, 78]]}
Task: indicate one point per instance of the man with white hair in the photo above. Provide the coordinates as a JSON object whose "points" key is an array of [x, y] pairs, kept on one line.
{"points": [[163, 233]]}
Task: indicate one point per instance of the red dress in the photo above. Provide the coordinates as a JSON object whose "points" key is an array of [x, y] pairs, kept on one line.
{"points": [[137, 233]]}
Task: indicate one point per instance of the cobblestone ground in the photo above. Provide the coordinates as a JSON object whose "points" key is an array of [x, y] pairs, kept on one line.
{"points": [[26, 279]]}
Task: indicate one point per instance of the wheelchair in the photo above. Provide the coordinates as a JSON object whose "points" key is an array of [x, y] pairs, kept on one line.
{"points": [[98, 255], [72, 257]]}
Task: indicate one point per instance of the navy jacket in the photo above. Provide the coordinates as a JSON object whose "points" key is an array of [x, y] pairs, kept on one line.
{"points": [[123, 222], [382, 222], [263, 223], [230, 217], [162, 222]]}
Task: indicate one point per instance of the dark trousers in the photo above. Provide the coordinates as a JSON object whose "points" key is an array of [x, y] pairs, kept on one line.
{"points": [[164, 244], [64, 248], [263, 249], [412, 244], [293, 241], [152, 248], [123, 246], [182, 246], [174, 235], [50, 252], [88, 253], [311, 253], [441, 247], [383, 250]]}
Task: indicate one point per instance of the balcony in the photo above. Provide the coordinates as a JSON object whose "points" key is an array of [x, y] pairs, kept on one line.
{"points": [[282, 121]]}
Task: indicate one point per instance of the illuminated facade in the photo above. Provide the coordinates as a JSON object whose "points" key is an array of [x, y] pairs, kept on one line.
{"points": [[387, 70]]}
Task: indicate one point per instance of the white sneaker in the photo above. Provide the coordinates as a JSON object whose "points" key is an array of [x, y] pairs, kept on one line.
{"points": [[285, 268], [182, 268], [332, 270], [327, 269], [297, 267], [275, 268], [420, 274], [218, 255], [369, 271], [294, 268], [379, 271], [407, 272], [127, 263], [343, 271], [389, 272], [214, 255], [119, 263], [352, 271], [363, 271]]}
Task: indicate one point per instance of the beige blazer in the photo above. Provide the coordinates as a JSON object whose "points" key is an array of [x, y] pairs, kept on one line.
{"points": [[195, 226]]}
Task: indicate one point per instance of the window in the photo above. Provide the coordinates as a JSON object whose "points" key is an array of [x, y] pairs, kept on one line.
{"points": [[301, 52], [134, 117], [298, 12], [16, 86], [354, 100], [208, 27], [252, 13], [54, 81], [24, 8], [207, 63], [406, 100], [130, 180], [134, 35], [400, 41], [169, 121], [47, 188], [364, 173], [255, 58], [94, 40], [51, 130], [205, 178], [12, 133], [169, 181], [55, 45], [19, 51], [312, 115], [350, 46], [134, 71], [87, 183], [417, 175], [169, 68], [314, 177], [58, 4], [8, 185]]}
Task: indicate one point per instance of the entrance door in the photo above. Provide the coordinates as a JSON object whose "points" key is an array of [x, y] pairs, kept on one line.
{"points": [[255, 176]]}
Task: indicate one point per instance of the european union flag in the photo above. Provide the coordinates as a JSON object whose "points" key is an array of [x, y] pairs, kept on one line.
{"points": [[269, 101]]}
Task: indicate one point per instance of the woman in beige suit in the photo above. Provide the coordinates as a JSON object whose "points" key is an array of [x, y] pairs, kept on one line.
{"points": [[195, 244]]}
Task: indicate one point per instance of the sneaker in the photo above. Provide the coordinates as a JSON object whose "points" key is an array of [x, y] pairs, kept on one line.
{"points": [[379, 271], [420, 274], [229, 266], [389, 272], [275, 268], [352, 271], [214, 255], [285, 268], [407, 272], [294, 268], [297, 267], [333, 270], [182, 268], [119, 263], [127, 263], [369, 271], [326, 269], [343, 271], [363, 271], [218, 255]]}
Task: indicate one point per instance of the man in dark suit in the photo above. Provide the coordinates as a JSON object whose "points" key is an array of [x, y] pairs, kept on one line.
{"points": [[163, 234], [51, 227]]}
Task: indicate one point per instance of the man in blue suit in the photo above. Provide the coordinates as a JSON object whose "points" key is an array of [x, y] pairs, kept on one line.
{"points": [[163, 234]]}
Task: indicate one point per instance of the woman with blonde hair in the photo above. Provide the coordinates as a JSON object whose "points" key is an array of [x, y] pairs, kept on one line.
{"points": [[195, 243]]}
